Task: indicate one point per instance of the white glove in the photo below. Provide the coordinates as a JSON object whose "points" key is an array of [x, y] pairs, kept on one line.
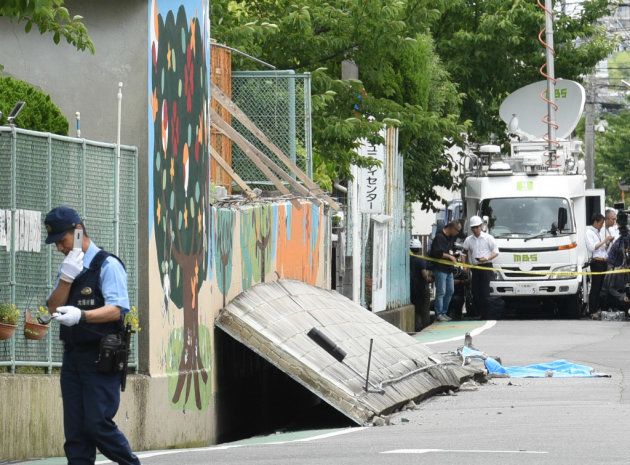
{"points": [[67, 315], [71, 266]]}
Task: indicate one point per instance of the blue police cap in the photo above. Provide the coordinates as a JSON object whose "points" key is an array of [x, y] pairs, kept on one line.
{"points": [[59, 221]]}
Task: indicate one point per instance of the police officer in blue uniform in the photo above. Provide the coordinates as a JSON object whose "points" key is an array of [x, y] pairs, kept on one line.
{"points": [[89, 301]]}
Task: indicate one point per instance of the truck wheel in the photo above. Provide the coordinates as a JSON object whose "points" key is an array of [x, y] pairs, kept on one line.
{"points": [[572, 306]]}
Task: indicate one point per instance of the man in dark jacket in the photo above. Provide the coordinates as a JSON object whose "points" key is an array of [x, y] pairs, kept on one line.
{"points": [[420, 277], [442, 248], [615, 291]]}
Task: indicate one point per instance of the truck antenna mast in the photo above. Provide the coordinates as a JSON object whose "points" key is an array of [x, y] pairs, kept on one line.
{"points": [[548, 72]]}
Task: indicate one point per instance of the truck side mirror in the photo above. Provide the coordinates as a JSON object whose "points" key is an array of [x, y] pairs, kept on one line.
{"points": [[562, 218]]}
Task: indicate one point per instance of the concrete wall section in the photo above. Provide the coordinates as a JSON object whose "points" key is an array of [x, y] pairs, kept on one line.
{"points": [[32, 416], [247, 245], [80, 81]]}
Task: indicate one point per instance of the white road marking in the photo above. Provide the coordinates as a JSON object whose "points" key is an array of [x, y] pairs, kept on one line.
{"points": [[144, 455], [489, 324], [465, 451]]}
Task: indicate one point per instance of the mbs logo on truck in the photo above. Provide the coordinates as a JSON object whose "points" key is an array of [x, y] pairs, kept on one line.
{"points": [[526, 257]]}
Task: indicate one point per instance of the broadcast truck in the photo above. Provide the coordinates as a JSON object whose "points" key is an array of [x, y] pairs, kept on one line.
{"points": [[536, 205]]}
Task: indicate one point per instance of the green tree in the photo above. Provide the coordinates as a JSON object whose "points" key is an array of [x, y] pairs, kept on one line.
{"points": [[40, 112], [402, 81], [48, 16], [490, 48], [611, 156]]}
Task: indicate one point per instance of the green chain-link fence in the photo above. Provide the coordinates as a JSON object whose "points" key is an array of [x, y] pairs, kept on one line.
{"points": [[38, 172], [279, 103]]}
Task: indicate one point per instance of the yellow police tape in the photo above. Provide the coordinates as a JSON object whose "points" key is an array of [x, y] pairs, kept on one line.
{"points": [[533, 273]]}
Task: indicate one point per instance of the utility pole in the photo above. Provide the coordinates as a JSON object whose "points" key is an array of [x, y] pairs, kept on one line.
{"points": [[352, 277], [589, 133]]}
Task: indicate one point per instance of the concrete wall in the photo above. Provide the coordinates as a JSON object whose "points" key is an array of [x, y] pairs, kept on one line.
{"points": [[32, 418], [195, 257]]}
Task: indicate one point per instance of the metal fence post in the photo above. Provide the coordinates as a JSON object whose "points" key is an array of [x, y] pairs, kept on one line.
{"points": [[291, 115], [49, 252], [117, 176], [135, 339], [308, 127], [12, 255], [83, 193]]}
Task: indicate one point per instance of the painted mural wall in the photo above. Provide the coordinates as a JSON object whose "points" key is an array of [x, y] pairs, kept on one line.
{"points": [[201, 256]]}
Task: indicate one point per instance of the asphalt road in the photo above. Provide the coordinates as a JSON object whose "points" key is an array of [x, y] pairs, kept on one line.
{"points": [[506, 421]]}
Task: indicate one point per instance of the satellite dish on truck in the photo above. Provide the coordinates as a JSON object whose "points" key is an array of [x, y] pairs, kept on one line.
{"points": [[526, 109]]}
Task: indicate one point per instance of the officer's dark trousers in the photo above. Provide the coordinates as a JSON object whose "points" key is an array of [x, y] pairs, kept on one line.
{"points": [[480, 288], [90, 401]]}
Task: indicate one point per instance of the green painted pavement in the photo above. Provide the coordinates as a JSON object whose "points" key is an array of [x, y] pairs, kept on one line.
{"points": [[52, 461], [257, 440], [283, 437], [447, 331]]}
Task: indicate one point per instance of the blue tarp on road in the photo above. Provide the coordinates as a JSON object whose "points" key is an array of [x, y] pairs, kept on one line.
{"points": [[555, 369]]}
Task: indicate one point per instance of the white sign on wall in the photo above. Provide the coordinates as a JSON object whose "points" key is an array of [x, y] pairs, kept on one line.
{"points": [[371, 181], [379, 267]]}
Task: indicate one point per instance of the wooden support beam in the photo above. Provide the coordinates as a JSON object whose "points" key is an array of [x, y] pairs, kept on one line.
{"points": [[250, 151], [236, 112], [228, 169], [235, 136]]}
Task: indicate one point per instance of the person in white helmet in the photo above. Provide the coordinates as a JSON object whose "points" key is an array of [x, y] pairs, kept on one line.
{"points": [[420, 277], [480, 249]]}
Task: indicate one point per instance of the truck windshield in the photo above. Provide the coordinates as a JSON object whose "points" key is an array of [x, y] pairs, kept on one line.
{"points": [[526, 216]]}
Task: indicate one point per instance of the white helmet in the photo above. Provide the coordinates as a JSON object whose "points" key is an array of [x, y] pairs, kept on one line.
{"points": [[475, 221], [415, 244]]}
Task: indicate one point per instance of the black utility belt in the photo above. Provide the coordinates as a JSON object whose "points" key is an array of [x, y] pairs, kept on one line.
{"points": [[485, 265]]}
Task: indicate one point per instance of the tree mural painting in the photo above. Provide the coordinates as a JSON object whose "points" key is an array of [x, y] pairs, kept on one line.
{"points": [[223, 256], [259, 226], [180, 177]]}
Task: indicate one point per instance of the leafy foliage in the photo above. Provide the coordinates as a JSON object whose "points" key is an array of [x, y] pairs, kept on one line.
{"points": [[490, 48], [611, 160], [403, 82], [434, 68], [40, 112], [49, 16], [9, 314]]}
